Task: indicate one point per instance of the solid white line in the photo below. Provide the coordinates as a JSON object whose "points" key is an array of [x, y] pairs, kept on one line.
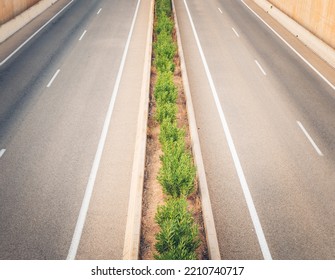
{"points": [[251, 207], [293, 49], [220, 10], [32, 36], [310, 139], [82, 35], [2, 152], [91, 181], [53, 78], [238, 35], [260, 67], [99, 11]]}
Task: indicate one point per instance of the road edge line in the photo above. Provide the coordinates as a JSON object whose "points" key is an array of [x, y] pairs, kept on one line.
{"points": [[131, 245], [210, 229]]}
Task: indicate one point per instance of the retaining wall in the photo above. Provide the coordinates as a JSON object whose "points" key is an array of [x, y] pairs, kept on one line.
{"points": [[31, 11], [11, 8], [317, 16]]}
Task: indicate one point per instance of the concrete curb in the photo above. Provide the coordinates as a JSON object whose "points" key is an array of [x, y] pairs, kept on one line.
{"points": [[131, 246], [9, 28], [323, 50], [211, 236]]}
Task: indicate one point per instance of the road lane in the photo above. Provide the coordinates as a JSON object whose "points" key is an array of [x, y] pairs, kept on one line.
{"points": [[106, 217], [51, 133], [291, 186]]}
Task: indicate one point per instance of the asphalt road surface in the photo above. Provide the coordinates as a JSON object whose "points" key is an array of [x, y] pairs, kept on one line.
{"points": [[56, 93], [267, 132]]}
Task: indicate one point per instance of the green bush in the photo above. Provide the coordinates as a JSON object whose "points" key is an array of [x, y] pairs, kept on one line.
{"points": [[166, 112], [163, 7], [164, 50], [165, 90], [164, 24], [178, 238], [164, 46], [170, 133], [163, 64], [177, 174]]}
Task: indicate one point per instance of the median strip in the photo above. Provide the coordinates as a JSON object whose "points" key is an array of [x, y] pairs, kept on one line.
{"points": [[172, 225]]}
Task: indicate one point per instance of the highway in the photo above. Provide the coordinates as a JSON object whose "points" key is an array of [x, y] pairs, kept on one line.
{"points": [[68, 120], [266, 124]]}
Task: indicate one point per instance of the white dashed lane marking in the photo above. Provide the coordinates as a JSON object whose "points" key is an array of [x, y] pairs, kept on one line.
{"points": [[82, 35], [53, 78], [2, 152]]}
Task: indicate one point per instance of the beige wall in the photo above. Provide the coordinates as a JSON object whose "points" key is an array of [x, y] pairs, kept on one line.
{"points": [[318, 16], [11, 8]]}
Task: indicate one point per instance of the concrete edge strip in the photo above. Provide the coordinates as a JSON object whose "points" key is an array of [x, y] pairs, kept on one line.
{"points": [[15, 24], [211, 236], [318, 46], [131, 246]]}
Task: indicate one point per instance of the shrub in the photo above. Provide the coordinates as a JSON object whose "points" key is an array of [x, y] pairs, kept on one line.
{"points": [[166, 111], [177, 173], [178, 238], [170, 134], [163, 7], [165, 90], [164, 24], [164, 46], [163, 64]]}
